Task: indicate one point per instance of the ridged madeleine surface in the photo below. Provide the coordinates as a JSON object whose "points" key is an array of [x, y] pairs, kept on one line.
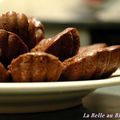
{"points": [[35, 67]]}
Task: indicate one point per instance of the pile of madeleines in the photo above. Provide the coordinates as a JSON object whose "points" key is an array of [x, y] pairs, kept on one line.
{"points": [[27, 56]]}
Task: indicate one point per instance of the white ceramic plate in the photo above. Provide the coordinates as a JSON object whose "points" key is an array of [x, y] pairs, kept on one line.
{"points": [[49, 96]]}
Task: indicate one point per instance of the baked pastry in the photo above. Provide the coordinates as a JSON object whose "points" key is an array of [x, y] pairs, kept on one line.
{"points": [[35, 67], [3, 73], [64, 45], [29, 30], [95, 47], [83, 65], [114, 60], [92, 64], [99, 59], [36, 30], [79, 67], [10, 46]]}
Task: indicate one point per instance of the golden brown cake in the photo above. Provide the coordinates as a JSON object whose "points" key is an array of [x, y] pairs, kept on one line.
{"points": [[10, 46], [3, 73], [64, 45], [30, 30], [35, 67]]}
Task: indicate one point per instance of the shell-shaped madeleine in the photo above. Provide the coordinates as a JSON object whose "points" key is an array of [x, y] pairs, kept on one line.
{"points": [[35, 67]]}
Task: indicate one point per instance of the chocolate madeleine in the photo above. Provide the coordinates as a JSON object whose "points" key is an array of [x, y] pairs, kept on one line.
{"points": [[35, 67], [10, 46], [64, 45], [114, 60], [92, 64], [79, 67], [29, 30]]}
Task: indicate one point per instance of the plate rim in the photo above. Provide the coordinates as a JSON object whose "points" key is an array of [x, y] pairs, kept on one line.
{"points": [[48, 87]]}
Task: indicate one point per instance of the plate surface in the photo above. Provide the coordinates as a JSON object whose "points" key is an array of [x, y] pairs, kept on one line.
{"points": [[49, 96]]}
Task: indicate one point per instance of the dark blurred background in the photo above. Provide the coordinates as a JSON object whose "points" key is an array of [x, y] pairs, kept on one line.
{"points": [[97, 20]]}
